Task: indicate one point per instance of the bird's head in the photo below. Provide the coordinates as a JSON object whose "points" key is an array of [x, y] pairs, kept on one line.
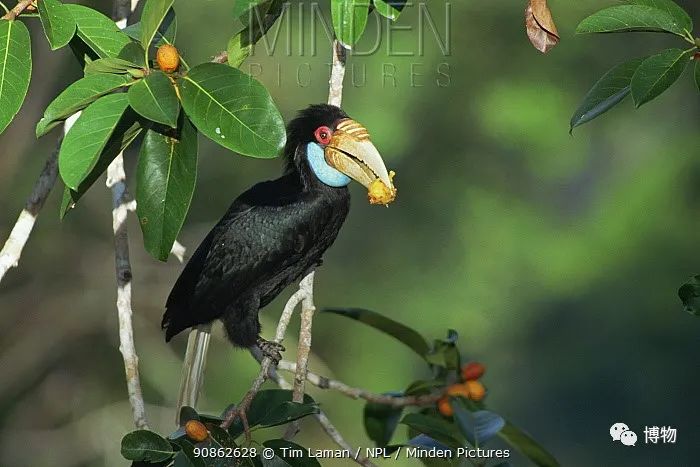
{"points": [[324, 141]]}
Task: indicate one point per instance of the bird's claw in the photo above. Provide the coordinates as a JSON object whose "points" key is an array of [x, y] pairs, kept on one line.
{"points": [[271, 350]]}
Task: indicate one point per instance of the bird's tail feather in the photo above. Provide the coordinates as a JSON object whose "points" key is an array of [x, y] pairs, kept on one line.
{"points": [[193, 367]]}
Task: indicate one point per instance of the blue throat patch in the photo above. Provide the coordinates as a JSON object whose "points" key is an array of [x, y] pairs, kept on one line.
{"points": [[327, 174]]}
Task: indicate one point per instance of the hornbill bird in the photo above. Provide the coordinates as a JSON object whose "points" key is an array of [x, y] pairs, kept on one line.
{"points": [[272, 235]]}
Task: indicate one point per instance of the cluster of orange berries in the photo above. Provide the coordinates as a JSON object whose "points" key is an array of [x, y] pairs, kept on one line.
{"points": [[471, 388]]}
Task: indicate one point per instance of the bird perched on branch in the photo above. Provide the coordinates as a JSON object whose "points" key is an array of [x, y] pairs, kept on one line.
{"points": [[272, 235]]}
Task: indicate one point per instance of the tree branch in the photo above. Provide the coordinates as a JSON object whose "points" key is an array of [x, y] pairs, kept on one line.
{"points": [[121, 205], [359, 393], [17, 9]]}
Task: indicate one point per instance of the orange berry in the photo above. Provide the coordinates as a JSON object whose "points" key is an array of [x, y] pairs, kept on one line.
{"points": [[472, 371], [477, 391], [458, 390], [168, 58], [196, 431], [444, 407]]}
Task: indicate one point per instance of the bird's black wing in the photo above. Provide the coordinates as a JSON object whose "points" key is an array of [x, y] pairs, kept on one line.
{"points": [[265, 230]]}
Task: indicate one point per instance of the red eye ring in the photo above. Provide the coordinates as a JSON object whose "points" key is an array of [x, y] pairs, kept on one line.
{"points": [[323, 134]]}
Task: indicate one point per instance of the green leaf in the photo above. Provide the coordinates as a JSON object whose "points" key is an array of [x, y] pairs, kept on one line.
{"points": [[390, 8], [154, 12], [527, 446], [274, 407], [98, 31], [241, 6], [87, 138], [186, 456], [609, 91], [233, 109], [380, 422], [15, 69], [657, 73], [697, 73], [349, 20], [689, 294], [154, 98], [59, 25], [166, 33], [669, 6], [259, 21], [76, 97], [146, 446], [627, 18], [436, 428], [479, 426], [110, 65], [422, 387], [282, 447], [399, 331], [124, 134], [134, 53], [165, 177], [444, 353]]}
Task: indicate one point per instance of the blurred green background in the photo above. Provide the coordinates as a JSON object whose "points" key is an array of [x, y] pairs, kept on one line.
{"points": [[556, 258]]}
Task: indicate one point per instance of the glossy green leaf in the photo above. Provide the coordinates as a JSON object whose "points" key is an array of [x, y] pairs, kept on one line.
{"points": [[154, 98], [15, 69], [477, 427], [165, 177], [241, 6], [259, 21], [154, 12], [125, 133], [657, 73], [58, 22], [697, 74], [88, 137], [283, 448], [434, 427], [186, 456], [625, 18], [76, 97], [349, 20], [527, 446], [98, 31], [390, 8], [146, 446], [609, 91], [274, 407], [398, 331], [110, 65], [134, 53], [689, 294], [681, 17], [166, 33], [233, 109], [380, 422]]}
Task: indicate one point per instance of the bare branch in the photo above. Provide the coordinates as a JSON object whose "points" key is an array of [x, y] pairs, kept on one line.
{"points": [[335, 84], [359, 393], [17, 9], [121, 205]]}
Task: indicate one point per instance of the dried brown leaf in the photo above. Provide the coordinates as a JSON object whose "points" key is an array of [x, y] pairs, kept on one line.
{"points": [[540, 26]]}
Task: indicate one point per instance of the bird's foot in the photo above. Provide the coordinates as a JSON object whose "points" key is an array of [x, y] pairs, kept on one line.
{"points": [[239, 411], [272, 350]]}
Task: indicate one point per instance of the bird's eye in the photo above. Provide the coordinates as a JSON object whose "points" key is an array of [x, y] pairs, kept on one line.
{"points": [[323, 134]]}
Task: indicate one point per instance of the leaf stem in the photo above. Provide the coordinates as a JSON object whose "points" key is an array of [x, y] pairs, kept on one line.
{"points": [[7, 10]]}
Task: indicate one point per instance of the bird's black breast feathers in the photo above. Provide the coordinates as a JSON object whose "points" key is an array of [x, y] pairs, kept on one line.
{"points": [[271, 235]]}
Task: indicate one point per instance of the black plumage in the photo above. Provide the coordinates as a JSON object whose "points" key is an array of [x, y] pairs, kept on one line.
{"points": [[271, 236]]}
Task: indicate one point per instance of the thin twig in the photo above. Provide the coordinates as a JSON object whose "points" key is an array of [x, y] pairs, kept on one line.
{"points": [[17, 9], [12, 250], [320, 417], [359, 393], [303, 347], [121, 205]]}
